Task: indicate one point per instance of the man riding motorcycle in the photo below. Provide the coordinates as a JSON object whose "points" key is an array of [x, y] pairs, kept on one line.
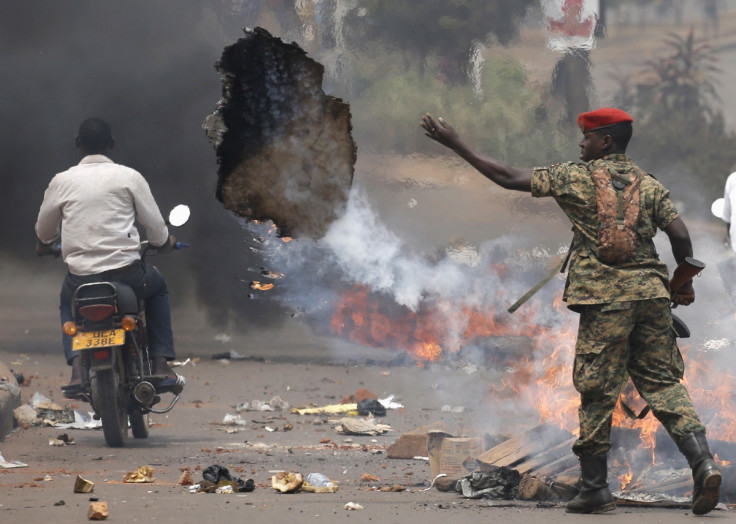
{"points": [[92, 209]]}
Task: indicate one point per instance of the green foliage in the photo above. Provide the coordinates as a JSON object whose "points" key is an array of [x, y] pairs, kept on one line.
{"points": [[675, 104], [683, 80], [509, 121], [442, 28]]}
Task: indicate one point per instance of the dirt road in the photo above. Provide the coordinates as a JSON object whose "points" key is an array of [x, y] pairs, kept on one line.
{"points": [[291, 363], [192, 436]]}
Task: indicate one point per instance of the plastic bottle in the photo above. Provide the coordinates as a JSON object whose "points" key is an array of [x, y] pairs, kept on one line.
{"points": [[318, 480]]}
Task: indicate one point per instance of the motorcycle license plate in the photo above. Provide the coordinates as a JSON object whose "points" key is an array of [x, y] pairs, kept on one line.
{"points": [[98, 339]]}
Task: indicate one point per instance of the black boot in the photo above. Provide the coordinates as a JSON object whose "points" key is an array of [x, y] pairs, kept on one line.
{"points": [[160, 367], [706, 475], [165, 379], [594, 496]]}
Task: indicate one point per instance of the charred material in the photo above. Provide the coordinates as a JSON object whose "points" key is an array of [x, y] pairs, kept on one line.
{"points": [[543, 457], [285, 148]]}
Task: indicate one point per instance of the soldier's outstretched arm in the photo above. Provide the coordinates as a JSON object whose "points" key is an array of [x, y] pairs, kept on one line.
{"points": [[502, 174]]}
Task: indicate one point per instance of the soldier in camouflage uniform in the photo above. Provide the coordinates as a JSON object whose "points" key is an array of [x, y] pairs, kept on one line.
{"points": [[625, 318]]}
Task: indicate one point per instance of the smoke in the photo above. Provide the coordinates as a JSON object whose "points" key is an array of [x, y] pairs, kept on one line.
{"points": [[148, 69], [360, 250]]}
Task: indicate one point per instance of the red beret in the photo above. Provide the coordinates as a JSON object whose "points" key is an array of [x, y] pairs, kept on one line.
{"points": [[603, 117]]}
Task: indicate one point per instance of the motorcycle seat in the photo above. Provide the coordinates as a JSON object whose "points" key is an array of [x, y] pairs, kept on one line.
{"points": [[122, 294], [127, 301]]}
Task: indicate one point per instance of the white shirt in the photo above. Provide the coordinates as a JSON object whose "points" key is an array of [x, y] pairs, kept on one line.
{"points": [[729, 208], [93, 206]]}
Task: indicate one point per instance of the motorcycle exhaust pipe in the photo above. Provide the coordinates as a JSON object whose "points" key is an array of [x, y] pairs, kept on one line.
{"points": [[144, 392]]}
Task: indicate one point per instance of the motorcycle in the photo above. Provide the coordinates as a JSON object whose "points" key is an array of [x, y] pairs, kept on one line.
{"points": [[109, 332]]}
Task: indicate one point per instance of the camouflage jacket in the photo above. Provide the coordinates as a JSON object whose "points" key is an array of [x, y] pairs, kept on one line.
{"points": [[589, 280]]}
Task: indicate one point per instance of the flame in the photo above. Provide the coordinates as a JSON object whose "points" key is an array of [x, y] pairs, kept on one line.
{"points": [[627, 476], [428, 351], [539, 372], [722, 463], [647, 425], [710, 388], [361, 317], [260, 286]]}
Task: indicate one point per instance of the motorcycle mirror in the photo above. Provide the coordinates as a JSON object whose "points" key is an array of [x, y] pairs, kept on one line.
{"points": [[179, 215], [717, 208]]}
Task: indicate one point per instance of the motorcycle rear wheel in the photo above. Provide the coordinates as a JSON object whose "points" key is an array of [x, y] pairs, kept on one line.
{"points": [[138, 423], [110, 404]]}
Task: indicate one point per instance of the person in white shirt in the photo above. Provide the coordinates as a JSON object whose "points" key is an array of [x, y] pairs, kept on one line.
{"points": [[92, 209], [729, 208]]}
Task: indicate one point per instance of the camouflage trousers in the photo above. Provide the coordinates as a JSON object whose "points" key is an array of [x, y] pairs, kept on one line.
{"points": [[635, 339]]}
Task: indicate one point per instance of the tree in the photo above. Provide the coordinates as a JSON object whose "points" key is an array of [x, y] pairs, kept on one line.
{"points": [[676, 104], [447, 29]]}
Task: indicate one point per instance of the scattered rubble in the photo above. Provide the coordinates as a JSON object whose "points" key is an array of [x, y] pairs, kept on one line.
{"points": [[143, 474], [8, 464], [275, 404], [233, 420], [502, 483], [217, 479], [371, 407], [415, 442], [331, 409], [25, 415], [367, 426], [291, 482], [455, 456], [185, 479], [287, 482], [40, 411], [82, 485], [318, 483], [98, 511], [62, 440]]}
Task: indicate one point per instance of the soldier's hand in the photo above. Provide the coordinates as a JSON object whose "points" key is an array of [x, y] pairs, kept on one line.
{"points": [[684, 296], [440, 131]]}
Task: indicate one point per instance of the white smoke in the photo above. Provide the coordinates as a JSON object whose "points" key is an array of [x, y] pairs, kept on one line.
{"points": [[359, 249]]}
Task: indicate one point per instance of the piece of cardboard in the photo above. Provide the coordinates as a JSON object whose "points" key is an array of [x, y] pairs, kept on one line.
{"points": [[453, 456], [415, 442], [408, 446]]}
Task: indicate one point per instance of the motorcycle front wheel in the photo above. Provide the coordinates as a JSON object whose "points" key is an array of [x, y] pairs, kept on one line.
{"points": [[110, 404]]}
